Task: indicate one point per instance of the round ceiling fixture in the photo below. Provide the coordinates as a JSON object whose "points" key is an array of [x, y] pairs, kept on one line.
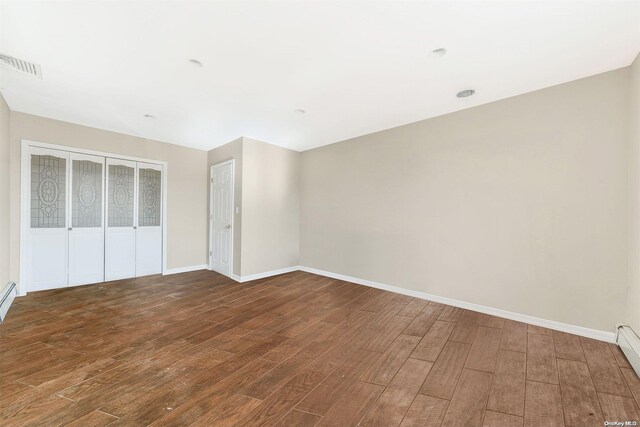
{"points": [[439, 53], [465, 93], [149, 116], [300, 112], [196, 63]]}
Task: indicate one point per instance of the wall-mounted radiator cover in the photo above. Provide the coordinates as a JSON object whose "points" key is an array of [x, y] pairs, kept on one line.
{"points": [[630, 345], [6, 298]]}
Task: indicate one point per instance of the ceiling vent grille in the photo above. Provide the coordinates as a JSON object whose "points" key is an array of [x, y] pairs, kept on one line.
{"points": [[21, 66]]}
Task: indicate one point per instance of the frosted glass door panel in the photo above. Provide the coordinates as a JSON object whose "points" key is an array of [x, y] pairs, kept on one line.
{"points": [[121, 195], [149, 196], [86, 192], [48, 191]]}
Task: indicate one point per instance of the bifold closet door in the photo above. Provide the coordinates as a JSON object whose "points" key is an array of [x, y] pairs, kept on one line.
{"points": [[86, 233], [120, 231], [149, 220], [47, 257]]}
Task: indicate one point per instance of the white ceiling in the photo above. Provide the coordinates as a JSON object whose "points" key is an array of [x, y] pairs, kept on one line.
{"points": [[356, 67]]}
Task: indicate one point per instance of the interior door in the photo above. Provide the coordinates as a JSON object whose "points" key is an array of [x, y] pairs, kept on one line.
{"points": [[47, 260], [149, 220], [120, 232], [86, 233], [221, 218]]}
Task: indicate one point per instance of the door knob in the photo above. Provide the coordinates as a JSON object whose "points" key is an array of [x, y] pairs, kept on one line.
{"points": [[228, 226]]}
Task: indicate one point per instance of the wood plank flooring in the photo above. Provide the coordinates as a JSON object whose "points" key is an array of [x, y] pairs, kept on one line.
{"points": [[297, 349]]}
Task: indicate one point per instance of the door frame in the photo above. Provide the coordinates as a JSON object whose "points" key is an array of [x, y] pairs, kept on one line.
{"points": [[25, 167], [231, 162]]}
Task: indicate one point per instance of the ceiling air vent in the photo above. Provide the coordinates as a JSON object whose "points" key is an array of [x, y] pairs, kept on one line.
{"points": [[21, 66]]}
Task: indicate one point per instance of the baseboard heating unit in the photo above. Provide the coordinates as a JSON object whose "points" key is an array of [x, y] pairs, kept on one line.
{"points": [[630, 345], [8, 294]]}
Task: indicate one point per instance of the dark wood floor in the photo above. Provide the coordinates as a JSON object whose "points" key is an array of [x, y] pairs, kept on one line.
{"points": [[297, 349]]}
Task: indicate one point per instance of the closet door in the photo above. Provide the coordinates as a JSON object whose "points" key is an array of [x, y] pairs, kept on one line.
{"points": [[149, 220], [120, 232], [86, 233], [47, 260]]}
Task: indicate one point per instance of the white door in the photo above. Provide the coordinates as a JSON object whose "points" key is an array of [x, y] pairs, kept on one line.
{"points": [[47, 256], [86, 233], [221, 214], [149, 220], [120, 233]]}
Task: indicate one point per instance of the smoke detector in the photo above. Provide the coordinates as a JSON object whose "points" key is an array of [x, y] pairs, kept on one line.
{"points": [[21, 66]]}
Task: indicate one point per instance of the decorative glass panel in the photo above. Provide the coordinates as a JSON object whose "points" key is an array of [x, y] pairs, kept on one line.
{"points": [[120, 196], [48, 191], [149, 198], [86, 202]]}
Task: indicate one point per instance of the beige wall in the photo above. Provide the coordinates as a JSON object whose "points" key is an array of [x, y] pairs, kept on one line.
{"points": [[232, 150], [633, 296], [4, 194], [270, 202], [519, 204], [187, 191]]}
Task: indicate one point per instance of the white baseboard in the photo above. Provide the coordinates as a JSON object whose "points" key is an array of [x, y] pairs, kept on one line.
{"points": [[257, 276], [629, 343], [7, 296], [185, 269], [551, 324]]}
